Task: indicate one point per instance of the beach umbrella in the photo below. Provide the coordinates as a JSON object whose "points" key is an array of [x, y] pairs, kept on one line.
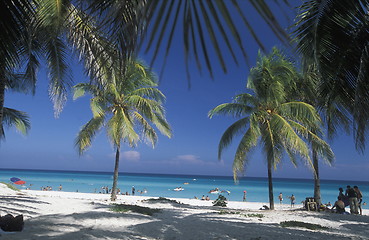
{"points": [[14, 179], [17, 181]]}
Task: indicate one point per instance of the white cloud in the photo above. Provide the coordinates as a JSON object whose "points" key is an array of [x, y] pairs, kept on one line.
{"points": [[132, 156], [188, 158]]}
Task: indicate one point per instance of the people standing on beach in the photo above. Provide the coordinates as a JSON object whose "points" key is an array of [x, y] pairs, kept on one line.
{"points": [[60, 187], [244, 196], [359, 199], [352, 196], [133, 190], [203, 197], [207, 198], [292, 200], [280, 197]]}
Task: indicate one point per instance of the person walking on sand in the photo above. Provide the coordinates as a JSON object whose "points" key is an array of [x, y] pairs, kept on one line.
{"points": [[359, 195], [244, 196], [280, 197], [292, 201], [133, 190], [60, 187]]}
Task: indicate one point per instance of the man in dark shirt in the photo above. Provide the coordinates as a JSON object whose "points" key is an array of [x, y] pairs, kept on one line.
{"points": [[352, 196]]}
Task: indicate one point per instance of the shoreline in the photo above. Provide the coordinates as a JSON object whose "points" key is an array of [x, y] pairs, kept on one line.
{"points": [[137, 198], [183, 175], [71, 215], [245, 205]]}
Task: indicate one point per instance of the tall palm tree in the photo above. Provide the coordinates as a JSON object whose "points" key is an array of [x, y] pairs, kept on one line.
{"points": [[268, 117], [333, 36], [126, 106], [308, 92]]}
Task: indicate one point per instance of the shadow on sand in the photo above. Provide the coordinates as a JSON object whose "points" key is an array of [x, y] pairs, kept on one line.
{"points": [[181, 221]]}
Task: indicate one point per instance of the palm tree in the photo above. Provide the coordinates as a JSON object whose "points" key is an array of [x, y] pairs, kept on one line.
{"points": [[268, 117], [14, 18], [125, 106], [333, 36], [307, 92], [33, 31]]}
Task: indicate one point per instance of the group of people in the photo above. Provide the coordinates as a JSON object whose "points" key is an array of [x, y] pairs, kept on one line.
{"points": [[353, 197], [47, 188], [207, 198], [292, 199], [107, 190]]}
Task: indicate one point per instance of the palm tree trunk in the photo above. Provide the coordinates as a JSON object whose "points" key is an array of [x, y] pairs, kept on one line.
{"points": [[2, 99], [271, 196], [316, 179], [115, 178]]}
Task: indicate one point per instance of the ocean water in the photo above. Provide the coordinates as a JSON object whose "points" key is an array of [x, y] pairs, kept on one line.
{"points": [[160, 185]]}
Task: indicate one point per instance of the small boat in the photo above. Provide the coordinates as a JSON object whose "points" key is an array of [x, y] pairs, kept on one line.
{"points": [[177, 189], [185, 183]]}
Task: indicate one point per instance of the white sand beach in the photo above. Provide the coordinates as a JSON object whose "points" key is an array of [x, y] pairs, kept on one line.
{"points": [[69, 216]]}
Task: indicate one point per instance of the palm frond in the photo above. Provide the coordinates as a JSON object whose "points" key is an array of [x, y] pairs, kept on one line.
{"points": [[235, 129], [81, 89], [60, 77], [152, 93], [321, 147], [147, 130], [87, 133], [18, 119], [230, 109], [302, 112], [248, 141], [272, 147], [202, 21], [98, 106], [121, 127], [333, 36], [284, 131]]}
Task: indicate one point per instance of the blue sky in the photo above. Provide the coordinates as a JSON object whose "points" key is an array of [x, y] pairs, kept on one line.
{"points": [[191, 150]]}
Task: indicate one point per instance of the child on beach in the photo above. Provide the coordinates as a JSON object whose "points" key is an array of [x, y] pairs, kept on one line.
{"points": [[280, 197]]}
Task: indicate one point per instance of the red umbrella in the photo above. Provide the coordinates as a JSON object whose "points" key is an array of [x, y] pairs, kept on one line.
{"points": [[20, 182]]}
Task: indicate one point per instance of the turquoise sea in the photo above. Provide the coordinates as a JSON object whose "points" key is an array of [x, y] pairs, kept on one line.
{"points": [[163, 185]]}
